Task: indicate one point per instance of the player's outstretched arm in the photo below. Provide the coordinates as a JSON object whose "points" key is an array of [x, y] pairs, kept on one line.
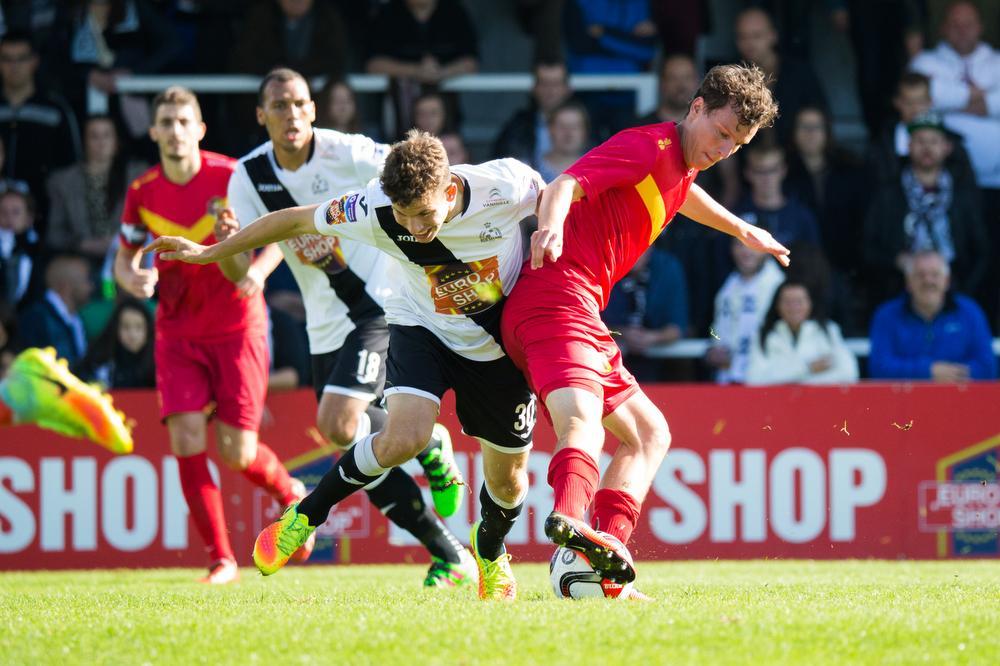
{"points": [[271, 228], [546, 243], [702, 208]]}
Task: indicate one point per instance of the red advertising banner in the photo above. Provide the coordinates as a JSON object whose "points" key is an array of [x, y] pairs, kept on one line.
{"points": [[884, 471]]}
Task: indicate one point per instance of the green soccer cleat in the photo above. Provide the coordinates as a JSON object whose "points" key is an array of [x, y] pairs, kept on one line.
{"points": [[449, 574], [496, 579], [447, 485], [277, 542], [40, 389]]}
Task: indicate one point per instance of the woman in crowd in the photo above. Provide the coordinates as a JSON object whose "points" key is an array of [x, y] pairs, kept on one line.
{"points": [[799, 345], [122, 356]]}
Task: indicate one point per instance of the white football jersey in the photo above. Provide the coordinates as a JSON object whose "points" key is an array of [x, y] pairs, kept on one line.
{"points": [[452, 286], [342, 281]]}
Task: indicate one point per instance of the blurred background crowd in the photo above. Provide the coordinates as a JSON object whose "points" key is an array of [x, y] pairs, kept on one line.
{"points": [[882, 173]]}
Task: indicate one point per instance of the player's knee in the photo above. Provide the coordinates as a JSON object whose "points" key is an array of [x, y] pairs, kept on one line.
{"points": [[656, 438], [508, 486], [401, 442], [187, 441], [237, 457], [339, 427]]}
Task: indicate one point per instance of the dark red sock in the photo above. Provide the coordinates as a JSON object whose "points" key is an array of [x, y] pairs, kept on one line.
{"points": [[615, 512], [205, 505], [6, 415], [573, 476], [267, 472]]}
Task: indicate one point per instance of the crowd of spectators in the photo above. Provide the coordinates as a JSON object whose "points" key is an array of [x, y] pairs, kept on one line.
{"points": [[897, 239]]}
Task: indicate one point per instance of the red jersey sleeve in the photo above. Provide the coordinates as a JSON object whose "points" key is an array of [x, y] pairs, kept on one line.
{"points": [[133, 231], [623, 160]]}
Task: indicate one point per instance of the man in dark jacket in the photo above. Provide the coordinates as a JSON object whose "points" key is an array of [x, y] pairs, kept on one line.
{"points": [[526, 135], [55, 321], [927, 208]]}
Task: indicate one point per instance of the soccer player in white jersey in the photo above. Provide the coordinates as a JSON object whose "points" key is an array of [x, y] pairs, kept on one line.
{"points": [[344, 285], [455, 232]]}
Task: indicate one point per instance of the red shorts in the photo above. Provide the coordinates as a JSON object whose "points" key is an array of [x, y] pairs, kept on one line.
{"points": [[556, 337], [231, 372]]}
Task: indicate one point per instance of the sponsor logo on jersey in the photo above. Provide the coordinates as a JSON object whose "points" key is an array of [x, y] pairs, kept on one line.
{"points": [[406, 238], [320, 184], [335, 212], [323, 252], [495, 198], [351, 208], [269, 187], [490, 234], [465, 287]]}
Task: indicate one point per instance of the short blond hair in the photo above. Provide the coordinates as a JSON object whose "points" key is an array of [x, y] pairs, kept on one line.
{"points": [[415, 167], [177, 95]]}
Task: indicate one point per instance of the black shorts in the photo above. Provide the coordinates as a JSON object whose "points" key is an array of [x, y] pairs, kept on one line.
{"points": [[357, 369], [492, 398]]}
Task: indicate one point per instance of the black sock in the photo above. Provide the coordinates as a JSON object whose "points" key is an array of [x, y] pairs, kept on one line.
{"points": [[333, 487], [399, 498], [495, 525], [377, 416]]}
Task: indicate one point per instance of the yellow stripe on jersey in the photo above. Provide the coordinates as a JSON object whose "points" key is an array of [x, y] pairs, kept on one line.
{"points": [[650, 195], [161, 226]]}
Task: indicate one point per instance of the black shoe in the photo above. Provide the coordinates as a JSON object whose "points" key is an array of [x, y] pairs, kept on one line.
{"points": [[607, 555]]}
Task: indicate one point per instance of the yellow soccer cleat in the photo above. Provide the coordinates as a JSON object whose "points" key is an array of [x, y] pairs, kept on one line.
{"points": [[496, 579], [277, 542], [303, 553], [40, 389]]}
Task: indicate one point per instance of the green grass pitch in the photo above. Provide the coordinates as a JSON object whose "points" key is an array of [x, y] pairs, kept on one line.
{"points": [[759, 612]]}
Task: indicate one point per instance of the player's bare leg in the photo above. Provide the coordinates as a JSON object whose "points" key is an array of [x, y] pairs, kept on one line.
{"points": [[187, 441], [574, 476], [243, 451], [343, 420], [505, 485], [645, 438]]}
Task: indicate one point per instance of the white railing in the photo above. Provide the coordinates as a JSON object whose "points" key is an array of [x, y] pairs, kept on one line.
{"points": [[696, 348], [644, 85]]}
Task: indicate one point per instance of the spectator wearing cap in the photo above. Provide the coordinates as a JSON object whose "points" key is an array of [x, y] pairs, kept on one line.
{"points": [[930, 332], [890, 149], [927, 208]]}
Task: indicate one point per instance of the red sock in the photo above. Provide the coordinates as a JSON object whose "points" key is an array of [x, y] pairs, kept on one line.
{"points": [[267, 472], [573, 476], [615, 512], [205, 505], [6, 415]]}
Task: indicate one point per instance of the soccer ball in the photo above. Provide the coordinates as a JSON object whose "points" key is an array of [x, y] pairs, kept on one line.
{"points": [[572, 577]]}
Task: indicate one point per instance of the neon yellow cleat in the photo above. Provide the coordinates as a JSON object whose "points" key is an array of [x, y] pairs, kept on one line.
{"points": [[443, 475], [277, 542], [303, 553], [496, 579], [40, 389]]}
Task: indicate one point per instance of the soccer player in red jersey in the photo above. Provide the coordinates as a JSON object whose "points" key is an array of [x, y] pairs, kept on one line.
{"points": [[211, 343], [613, 203]]}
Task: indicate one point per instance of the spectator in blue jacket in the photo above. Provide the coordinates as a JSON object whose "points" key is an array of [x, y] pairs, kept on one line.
{"points": [[54, 321], [648, 308], [930, 332]]}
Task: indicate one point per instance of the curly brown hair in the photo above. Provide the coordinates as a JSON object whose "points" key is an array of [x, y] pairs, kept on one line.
{"points": [[414, 167], [743, 88]]}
